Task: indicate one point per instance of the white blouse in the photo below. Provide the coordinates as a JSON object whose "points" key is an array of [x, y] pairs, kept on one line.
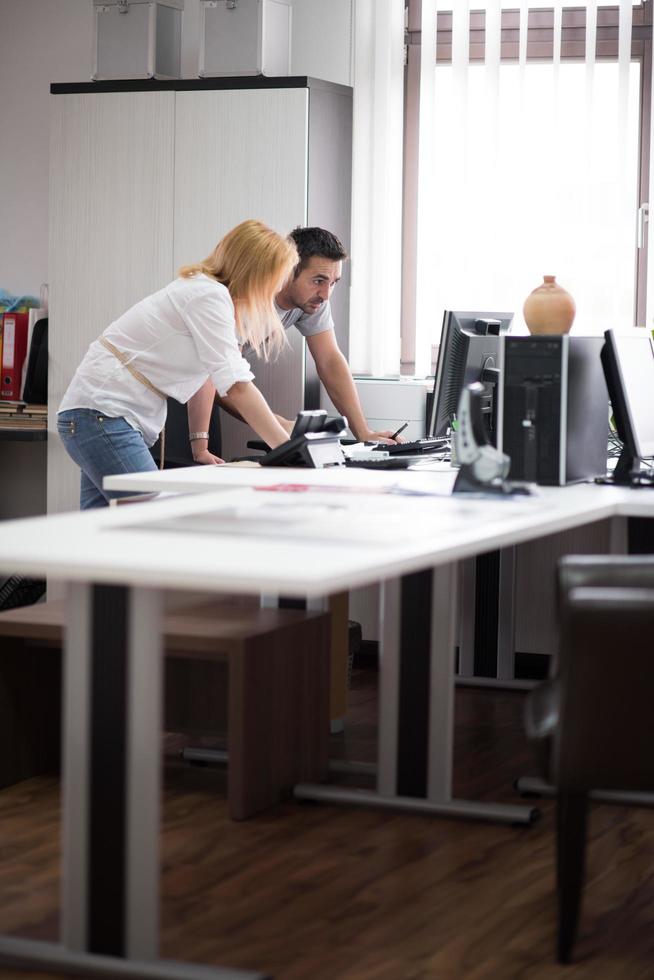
{"points": [[177, 337]]}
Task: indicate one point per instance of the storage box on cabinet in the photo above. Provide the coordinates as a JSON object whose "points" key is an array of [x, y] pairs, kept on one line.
{"points": [[137, 39], [245, 37]]}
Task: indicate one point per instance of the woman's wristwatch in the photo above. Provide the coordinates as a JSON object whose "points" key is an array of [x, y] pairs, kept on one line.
{"points": [[192, 436]]}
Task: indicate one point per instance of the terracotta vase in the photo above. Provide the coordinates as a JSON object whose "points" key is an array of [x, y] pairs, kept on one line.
{"points": [[549, 309]]}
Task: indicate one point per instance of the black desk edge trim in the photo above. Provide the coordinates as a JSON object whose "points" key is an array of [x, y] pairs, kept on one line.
{"points": [[223, 82]]}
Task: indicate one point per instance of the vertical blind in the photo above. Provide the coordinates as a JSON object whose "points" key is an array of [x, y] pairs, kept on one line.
{"points": [[527, 165], [377, 186]]}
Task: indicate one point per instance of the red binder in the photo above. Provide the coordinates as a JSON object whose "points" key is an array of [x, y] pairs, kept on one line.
{"points": [[14, 351]]}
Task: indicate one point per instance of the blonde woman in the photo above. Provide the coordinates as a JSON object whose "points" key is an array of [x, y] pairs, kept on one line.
{"points": [[181, 342]]}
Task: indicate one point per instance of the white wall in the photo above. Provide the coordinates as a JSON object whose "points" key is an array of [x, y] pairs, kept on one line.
{"points": [[40, 42], [44, 41]]}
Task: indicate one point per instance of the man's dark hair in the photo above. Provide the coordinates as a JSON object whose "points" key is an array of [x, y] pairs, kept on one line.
{"points": [[316, 241]]}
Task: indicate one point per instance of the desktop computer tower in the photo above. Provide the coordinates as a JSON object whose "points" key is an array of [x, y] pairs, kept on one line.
{"points": [[554, 409]]}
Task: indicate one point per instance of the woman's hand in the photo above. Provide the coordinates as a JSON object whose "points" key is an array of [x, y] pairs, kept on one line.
{"points": [[253, 407], [286, 424], [207, 458], [199, 414]]}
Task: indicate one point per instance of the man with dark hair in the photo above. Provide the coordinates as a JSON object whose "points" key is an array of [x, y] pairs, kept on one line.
{"points": [[316, 241], [304, 304]]}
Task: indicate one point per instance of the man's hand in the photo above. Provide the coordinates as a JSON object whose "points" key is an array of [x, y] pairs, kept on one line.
{"points": [[385, 436], [334, 372], [207, 458]]}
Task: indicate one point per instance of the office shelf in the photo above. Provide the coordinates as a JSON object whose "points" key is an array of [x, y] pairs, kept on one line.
{"points": [[23, 434]]}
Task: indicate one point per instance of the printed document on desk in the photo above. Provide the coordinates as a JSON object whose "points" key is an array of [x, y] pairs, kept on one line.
{"points": [[379, 520], [325, 519]]}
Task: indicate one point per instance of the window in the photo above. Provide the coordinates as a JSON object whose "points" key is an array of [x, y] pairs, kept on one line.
{"points": [[544, 185], [540, 163]]}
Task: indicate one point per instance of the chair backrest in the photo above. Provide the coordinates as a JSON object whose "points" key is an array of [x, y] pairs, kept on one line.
{"points": [[589, 571], [605, 735], [178, 449]]}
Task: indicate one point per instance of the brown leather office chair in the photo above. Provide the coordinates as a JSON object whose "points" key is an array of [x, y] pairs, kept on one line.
{"points": [[593, 722]]}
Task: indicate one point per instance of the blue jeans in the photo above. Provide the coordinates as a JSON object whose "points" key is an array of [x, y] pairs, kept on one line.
{"points": [[102, 446]]}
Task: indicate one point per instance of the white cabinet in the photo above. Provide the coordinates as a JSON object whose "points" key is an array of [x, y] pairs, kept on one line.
{"points": [[243, 154], [148, 179], [238, 155], [111, 232]]}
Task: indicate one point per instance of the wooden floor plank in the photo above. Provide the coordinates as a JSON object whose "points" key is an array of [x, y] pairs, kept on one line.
{"points": [[312, 892]]}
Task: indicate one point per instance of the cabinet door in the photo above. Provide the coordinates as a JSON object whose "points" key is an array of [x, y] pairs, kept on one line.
{"points": [[241, 154], [111, 232]]}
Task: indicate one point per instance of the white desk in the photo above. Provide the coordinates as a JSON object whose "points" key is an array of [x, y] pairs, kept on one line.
{"points": [[204, 479], [117, 566], [486, 646]]}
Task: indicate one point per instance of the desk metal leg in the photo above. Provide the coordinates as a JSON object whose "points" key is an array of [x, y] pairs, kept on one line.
{"points": [[76, 752], [26, 954], [442, 587], [416, 706], [506, 616], [94, 907], [466, 603], [112, 772], [487, 628], [539, 787], [390, 610], [145, 725], [111, 794]]}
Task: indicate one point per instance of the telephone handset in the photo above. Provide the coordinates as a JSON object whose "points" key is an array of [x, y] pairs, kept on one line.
{"points": [[313, 442], [483, 468]]}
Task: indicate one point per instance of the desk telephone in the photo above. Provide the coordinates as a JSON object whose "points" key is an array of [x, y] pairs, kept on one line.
{"points": [[483, 467], [314, 441]]}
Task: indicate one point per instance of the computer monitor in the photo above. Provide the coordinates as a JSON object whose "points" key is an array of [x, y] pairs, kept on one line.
{"points": [[628, 364], [469, 351]]}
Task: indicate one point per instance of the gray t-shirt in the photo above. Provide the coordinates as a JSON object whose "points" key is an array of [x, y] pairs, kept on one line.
{"points": [[307, 323]]}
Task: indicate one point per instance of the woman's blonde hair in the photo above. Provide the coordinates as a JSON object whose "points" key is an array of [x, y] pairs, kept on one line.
{"points": [[253, 262]]}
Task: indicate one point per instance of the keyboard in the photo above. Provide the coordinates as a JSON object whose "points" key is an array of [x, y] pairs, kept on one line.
{"points": [[383, 463], [413, 448]]}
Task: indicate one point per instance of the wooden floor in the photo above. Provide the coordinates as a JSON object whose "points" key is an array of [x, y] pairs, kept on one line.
{"points": [[310, 892]]}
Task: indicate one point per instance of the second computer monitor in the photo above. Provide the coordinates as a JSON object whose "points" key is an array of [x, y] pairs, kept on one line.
{"points": [[628, 363], [469, 351]]}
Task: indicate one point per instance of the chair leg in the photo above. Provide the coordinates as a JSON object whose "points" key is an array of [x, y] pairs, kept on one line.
{"points": [[572, 810]]}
